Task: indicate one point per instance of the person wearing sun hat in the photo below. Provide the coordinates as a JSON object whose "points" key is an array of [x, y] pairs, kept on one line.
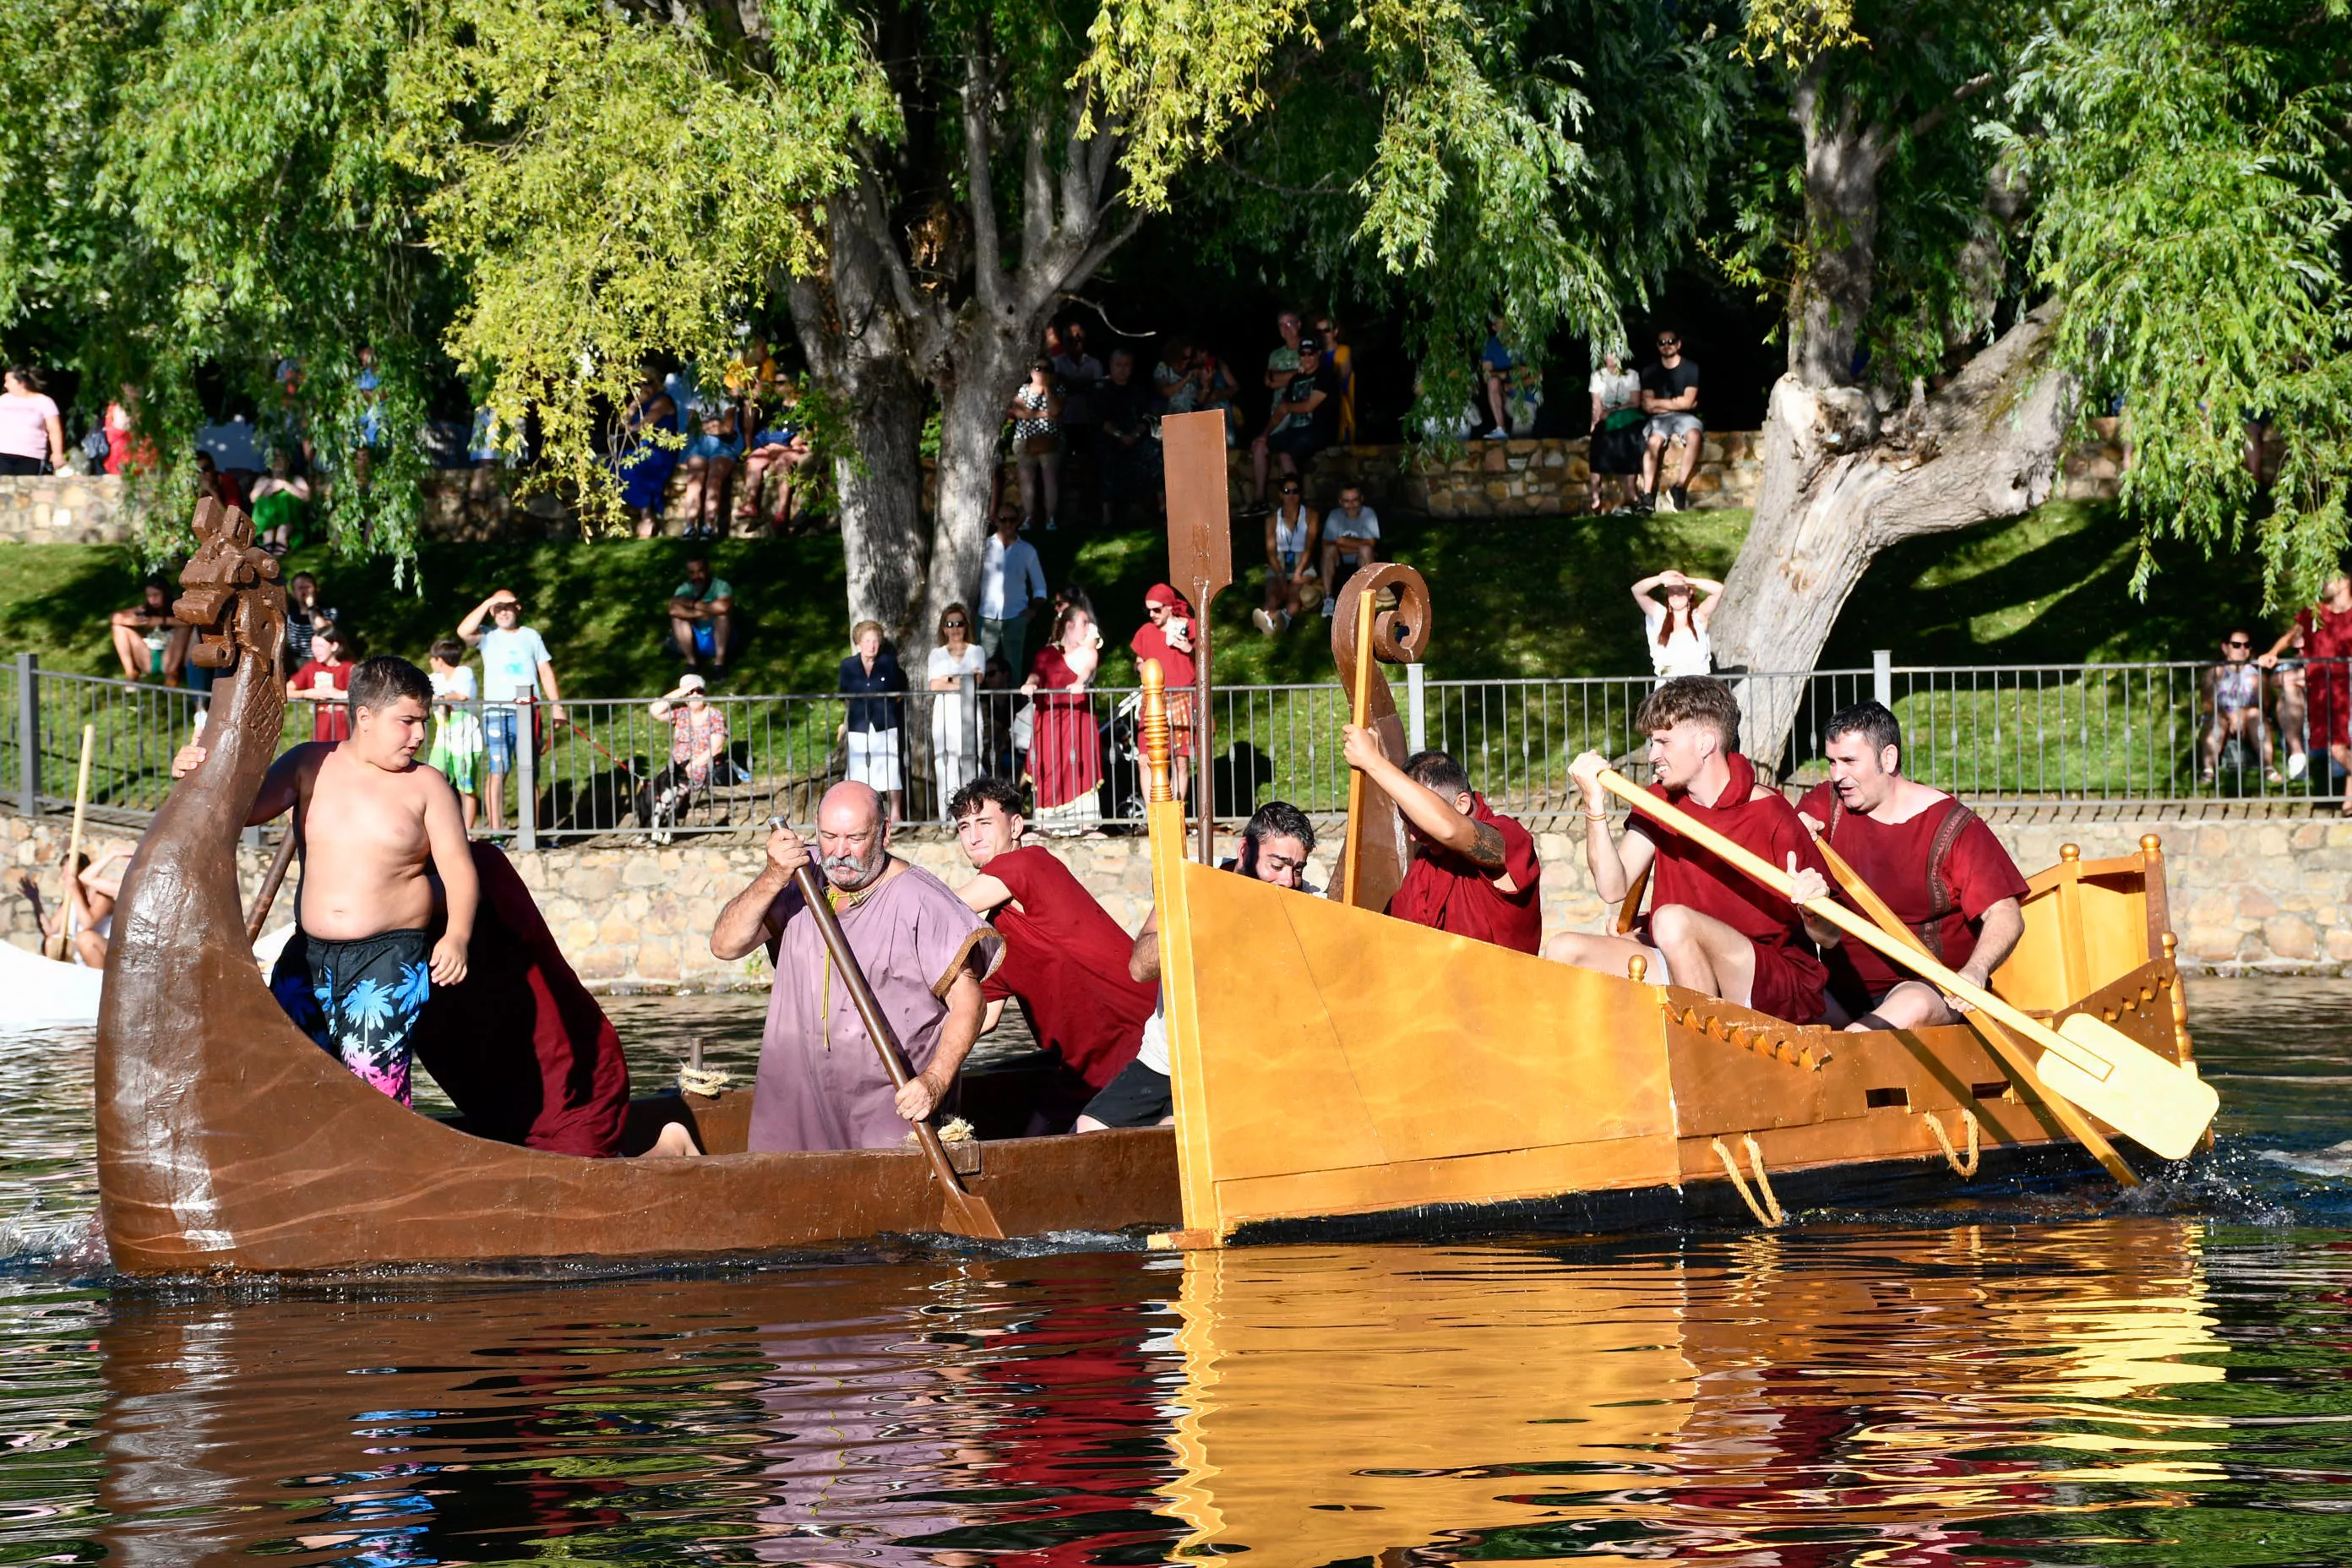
{"points": [[697, 743], [1168, 637]]}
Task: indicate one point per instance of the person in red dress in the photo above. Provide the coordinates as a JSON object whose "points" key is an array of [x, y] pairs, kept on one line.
{"points": [[1065, 959], [1930, 858], [1168, 637], [1473, 870], [325, 682], [1709, 928], [1065, 749], [2326, 632]]}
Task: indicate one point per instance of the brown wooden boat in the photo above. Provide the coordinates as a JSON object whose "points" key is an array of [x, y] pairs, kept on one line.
{"points": [[229, 1140], [1337, 1072]]}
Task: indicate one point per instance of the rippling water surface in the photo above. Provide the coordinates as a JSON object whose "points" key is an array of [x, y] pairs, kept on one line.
{"points": [[2038, 1378]]}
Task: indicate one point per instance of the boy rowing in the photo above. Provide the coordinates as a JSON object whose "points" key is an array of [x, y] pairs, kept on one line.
{"points": [[371, 821]]}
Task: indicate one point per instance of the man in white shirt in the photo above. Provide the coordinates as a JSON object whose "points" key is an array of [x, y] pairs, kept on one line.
{"points": [[1351, 533], [1011, 589], [515, 663]]}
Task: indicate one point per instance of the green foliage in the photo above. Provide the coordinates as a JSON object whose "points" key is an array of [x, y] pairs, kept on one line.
{"points": [[2189, 163], [614, 188]]}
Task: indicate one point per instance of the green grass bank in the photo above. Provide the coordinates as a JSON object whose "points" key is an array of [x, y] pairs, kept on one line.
{"points": [[1538, 597]]}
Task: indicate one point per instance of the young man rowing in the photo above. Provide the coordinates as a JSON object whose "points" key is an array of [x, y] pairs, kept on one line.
{"points": [[1930, 858], [1709, 928]]}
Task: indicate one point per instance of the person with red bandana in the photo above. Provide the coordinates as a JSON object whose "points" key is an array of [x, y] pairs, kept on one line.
{"points": [[1932, 859], [1473, 870], [1709, 928]]}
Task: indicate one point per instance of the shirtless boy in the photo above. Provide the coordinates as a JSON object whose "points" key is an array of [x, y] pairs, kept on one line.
{"points": [[371, 819]]}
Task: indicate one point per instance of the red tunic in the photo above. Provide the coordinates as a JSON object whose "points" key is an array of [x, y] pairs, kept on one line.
{"points": [[1065, 751], [519, 1046], [329, 720], [1442, 889], [1177, 667], [2327, 679], [1789, 975], [1065, 959], [1972, 874]]}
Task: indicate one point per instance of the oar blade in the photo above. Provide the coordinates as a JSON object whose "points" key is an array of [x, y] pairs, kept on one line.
{"points": [[2165, 1107], [964, 1214]]}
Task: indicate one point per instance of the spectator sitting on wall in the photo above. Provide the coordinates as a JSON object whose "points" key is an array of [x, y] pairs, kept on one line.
{"points": [[32, 436], [1128, 450], [1282, 363], [645, 461], [281, 505], [147, 639], [1301, 421], [1351, 540], [702, 616], [325, 682], [1670, 398], [2232, 693], [1497, 364]]}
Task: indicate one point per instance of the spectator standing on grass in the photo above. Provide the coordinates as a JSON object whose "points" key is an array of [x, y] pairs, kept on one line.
{"points": [[1127, 451], [32, 436], [1352, 541], [1676, 631], [1300, 423], [1036, 415], [1012, 587], [1076, 373], [1670, 399], [2327, 632], [1616, 443], [1290, 539], [325, 682], [702, 616], [876, 686], [457, 724], [2232, 693], [954, 725], [148, 640], [1065, 747], [515, 665]]}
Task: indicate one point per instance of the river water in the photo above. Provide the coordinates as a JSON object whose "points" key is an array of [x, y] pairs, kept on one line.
{"points": [[2047, 1377]]}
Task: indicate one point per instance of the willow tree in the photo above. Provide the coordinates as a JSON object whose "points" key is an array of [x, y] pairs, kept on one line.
{"points": [[1990, 219]]}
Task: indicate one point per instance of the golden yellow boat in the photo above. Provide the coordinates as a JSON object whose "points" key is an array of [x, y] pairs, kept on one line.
{"points": [[1338, 1073]]}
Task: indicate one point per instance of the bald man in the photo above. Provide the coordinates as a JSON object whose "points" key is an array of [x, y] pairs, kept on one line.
{"points": [[821, 1083]]}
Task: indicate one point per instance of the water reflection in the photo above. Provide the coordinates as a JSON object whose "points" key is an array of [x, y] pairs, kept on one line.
{"points": [[1857, 1396]]}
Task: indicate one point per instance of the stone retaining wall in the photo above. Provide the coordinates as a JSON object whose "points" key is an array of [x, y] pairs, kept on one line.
{"points": [[2267, 895], [1475, 479]]}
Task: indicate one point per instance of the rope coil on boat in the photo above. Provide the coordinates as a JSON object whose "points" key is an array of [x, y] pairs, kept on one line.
{"points": [[1936, 1125], [708, 1082], [1768, 1214]]}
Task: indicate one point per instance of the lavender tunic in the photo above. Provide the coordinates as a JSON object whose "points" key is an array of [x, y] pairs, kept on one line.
{"points": [[821, 1082]]}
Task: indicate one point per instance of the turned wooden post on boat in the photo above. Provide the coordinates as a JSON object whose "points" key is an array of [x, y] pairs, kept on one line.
{"points": [[1200, 565], [1152, 728], [1361, 635]]}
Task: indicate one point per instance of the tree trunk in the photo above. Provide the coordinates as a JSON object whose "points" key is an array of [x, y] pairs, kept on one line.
{"points": [[1832, 291], [990, 363], [1841, 485]]}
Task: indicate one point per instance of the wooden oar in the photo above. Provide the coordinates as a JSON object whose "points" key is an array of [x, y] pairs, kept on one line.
{"points": [[269, 885], [964, 1214], [2001, 1043], [73, 841], [1363, 695], [2086, 1060]]}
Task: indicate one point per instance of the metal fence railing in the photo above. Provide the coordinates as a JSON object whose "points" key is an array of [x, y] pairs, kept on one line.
{"points": [[2136, 734]]}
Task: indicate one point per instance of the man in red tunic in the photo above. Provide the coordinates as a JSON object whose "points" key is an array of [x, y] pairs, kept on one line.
{"points": [[1473, 870], [1709, 928], [1168, 637], [1932, 859], [1065, 957]]}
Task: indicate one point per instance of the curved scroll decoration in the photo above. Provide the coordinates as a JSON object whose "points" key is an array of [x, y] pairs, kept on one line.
{"points": [[1399, 636]]}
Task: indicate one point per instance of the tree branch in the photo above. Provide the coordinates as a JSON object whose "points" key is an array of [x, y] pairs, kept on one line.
{"points": [[980, 149], [872, 215], [1036, 193], [1942, 112], [1100, 251]]}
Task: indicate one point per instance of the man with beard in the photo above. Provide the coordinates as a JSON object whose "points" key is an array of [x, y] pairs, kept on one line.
{"points": [[1932, 859], [821, 1083]]}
